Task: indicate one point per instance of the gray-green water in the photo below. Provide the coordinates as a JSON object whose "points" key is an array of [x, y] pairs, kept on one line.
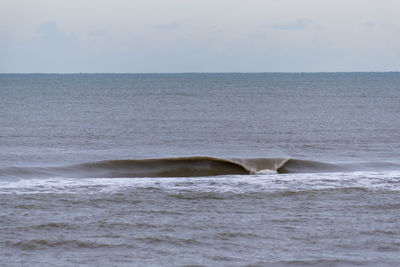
{"points": [[338, 205]]}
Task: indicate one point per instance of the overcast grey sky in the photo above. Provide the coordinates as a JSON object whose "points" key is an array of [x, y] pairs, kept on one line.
{"points": [[199, 35]]}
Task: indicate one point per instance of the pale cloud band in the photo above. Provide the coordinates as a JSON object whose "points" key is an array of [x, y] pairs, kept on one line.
{"points": [[199, 36]]}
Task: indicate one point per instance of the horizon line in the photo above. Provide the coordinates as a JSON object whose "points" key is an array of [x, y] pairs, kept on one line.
{"points": [[194, 72]]}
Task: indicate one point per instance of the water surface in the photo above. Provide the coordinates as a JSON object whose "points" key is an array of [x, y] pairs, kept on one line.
{"points": [[199, 169]]}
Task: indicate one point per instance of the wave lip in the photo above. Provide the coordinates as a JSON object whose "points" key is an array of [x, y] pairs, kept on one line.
{"points": [[165, 167], [308, 166], [189, 167]]}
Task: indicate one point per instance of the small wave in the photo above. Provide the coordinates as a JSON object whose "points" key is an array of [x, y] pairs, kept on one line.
{"points": [[188, 167], [170, 240], [308, 166], [53, 225], [40, 244], [200, 195]]}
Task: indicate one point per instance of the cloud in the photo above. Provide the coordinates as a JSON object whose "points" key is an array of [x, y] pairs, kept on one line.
{"points": [[49, 27], [49, 34], [369, 24], [298, 25], [169, 26], [50, 48]]}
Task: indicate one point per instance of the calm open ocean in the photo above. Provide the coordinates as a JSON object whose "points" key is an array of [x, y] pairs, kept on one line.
{"points": [[200, 169]]}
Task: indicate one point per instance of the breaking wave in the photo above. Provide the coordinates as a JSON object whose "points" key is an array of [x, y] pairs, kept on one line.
{"points": [[189, 167]]}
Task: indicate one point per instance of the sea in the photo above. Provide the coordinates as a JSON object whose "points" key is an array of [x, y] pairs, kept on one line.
{"points": [[200, 169]]}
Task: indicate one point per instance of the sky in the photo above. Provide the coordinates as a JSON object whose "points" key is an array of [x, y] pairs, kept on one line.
{"points": [[152, 36]]}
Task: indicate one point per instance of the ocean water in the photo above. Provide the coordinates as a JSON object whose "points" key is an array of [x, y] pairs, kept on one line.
{"points": [[200, 169]]}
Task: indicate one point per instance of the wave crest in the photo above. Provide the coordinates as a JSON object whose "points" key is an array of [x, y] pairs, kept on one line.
{"points": [[186, 167]]}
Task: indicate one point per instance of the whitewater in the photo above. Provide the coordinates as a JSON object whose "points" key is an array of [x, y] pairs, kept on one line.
{"points": [[252, 169]]}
